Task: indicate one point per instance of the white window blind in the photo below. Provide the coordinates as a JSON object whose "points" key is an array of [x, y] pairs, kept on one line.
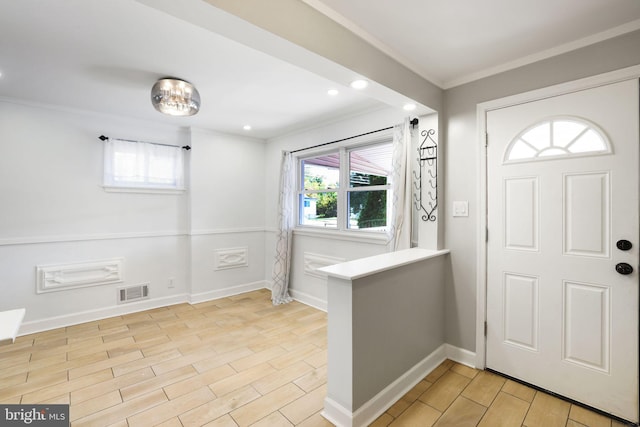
{"points": [[141, 165]]}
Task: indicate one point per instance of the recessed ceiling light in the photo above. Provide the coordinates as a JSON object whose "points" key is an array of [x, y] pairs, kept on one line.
{"points": [[332, 92], [359, 84], [409, 107], [246, 127]]}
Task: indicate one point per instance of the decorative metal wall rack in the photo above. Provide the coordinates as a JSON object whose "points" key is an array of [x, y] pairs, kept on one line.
{"points": [[426, 194]]}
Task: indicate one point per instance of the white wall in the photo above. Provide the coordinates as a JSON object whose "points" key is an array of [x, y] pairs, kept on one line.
{"points": [[51, 176], [462, 160], [227, 211], [55, 211]]}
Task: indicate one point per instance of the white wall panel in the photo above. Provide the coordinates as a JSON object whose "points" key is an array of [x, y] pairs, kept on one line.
{"points": [[59, 277], [231, 258], [206, 276], [313, 261]]}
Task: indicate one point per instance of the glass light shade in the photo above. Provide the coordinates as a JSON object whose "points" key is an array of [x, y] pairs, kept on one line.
{"points": [[175, 97]]}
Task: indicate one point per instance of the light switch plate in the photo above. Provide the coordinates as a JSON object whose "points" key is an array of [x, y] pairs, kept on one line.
{"points": [[461, 208]]}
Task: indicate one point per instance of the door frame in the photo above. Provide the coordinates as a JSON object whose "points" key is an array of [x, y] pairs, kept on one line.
{"points": [[482, 225]]}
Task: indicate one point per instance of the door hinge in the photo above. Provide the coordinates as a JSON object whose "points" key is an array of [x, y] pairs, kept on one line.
{"points": [[486, 139], [486, 234], [485, 328]]}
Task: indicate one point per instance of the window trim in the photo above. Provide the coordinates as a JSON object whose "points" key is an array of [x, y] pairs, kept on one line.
{"points": [[342, 224], [143, 190], [360, 236]]}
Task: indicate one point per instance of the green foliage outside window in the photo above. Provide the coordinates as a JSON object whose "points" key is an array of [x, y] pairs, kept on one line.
{"points": [[327, 205], [370, 207]]}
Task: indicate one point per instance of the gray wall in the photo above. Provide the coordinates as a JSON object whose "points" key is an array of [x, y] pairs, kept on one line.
{"points": [[461, 154], [380, 327], [398, 321]]}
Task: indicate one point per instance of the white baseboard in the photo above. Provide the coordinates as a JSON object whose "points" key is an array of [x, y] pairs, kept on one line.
{"points": [[460, 355], [337, 414], [120, 309], [97, 314], [307, 299], [226, 292], [371, 410]]}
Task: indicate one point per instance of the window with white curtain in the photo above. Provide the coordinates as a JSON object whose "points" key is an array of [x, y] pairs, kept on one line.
{"points": [[141, 166]]}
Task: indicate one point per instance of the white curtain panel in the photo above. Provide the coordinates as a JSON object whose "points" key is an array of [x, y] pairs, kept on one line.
{"points": [[286, 215], [399, 231], [143, 164]]}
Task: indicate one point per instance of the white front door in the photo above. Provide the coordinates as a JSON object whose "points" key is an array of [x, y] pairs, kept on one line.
{"points": [[562, 179]]}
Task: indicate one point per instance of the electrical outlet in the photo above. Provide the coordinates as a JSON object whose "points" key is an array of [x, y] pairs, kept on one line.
{"points": [[171, 284]]}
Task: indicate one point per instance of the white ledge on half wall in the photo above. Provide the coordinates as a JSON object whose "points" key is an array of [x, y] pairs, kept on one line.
{"points": [[363, 267]]}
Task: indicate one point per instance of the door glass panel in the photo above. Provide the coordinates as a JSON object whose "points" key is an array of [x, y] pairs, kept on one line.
{"points": [[590, 141], [565, 132], [539, 136], [522, 151], [558, 137]]}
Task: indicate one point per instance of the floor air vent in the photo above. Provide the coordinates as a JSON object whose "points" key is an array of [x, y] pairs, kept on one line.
{"points": [[133, 293]]}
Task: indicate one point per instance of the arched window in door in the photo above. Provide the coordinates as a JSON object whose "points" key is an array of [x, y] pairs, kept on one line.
{"points": [[557, 137]]}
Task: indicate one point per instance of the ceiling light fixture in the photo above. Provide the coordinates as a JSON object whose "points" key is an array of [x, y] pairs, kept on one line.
{"points": [[359, 84], [333, 92], [175, 97], [409, 107], [246, 127]]}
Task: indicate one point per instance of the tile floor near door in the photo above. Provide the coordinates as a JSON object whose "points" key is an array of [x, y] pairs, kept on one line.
{"points": [[455, 395], [239, 361]]}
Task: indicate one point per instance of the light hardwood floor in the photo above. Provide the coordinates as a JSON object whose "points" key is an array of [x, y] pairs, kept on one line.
{"points": [[239, 361]]}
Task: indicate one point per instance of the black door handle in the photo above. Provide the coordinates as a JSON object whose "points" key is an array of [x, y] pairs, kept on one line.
{"points": [[624, 268], [624, 245]]}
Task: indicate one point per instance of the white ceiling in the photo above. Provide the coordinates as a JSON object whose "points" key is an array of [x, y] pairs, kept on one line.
{"points": [[104, 56], [451, 42]]}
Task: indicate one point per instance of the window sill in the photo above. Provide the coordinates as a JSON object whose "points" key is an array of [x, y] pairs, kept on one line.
{"points": [[145, 190], [372, 237]]}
